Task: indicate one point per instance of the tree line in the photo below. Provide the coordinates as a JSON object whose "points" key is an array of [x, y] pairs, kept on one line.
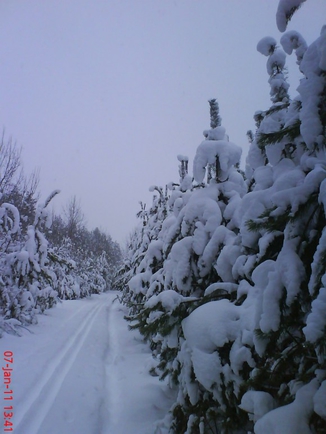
{"points": [[45, 257]]}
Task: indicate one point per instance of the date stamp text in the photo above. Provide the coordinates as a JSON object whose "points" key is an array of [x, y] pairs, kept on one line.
{"points": [[8, 413]]}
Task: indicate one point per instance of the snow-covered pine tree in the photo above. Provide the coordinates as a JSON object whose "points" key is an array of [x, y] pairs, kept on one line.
{"points": [[85, 260], [150, 277], [208, 383], [270, 123], [9, 228], [27, 277], [143, 253], [90, 274], [286, 217], [199, 249], [15, 187], [65, 269]]}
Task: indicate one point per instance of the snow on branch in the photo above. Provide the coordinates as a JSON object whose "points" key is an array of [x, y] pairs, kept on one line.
{"points": [[208, 151], [285, 11], [9, 218], [42, 214], [266, 45], [292, 40]]}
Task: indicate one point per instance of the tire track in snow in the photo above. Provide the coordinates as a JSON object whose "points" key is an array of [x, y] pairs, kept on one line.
{"points": [[104, 406], [41, 397], [111, 368]]}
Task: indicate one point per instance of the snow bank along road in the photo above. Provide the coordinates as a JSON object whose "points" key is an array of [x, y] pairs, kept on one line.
{"points": [[81, 371]]}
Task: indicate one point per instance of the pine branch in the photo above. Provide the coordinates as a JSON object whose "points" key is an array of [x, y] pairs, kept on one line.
{"points": [[50, 197], [291, 132], [269, 223]]}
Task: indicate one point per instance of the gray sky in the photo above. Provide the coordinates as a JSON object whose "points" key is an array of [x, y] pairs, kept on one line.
{"points": [[104, 94]]}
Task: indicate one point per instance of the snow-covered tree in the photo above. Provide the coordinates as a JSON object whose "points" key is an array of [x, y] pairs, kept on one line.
{"points": [[27, 280], [283, 224], [65, 269], [86, 260], [74, 218], [144, 251], [200, 230], [232, 288]]}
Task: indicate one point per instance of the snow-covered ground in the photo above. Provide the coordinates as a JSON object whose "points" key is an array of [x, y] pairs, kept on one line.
{"points": [[81, 371]]}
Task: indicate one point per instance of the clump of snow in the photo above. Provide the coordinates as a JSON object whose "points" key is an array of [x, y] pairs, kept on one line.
{"points": [[217, 133], [265, 241], [316, 320], [283, 170], [9, 218], [227, 153], [257, 404], [182, 158], [252, 206], [178, 266], [311, 90], [270, 124], [224, 286], [207, 366], [169, 299], [212, 325], [318, 264], [202, 206], [137, 283], [278, 84], [290, 269], [268, 283], [276, 60], [188, 387], [177, 206], [243, 267], [320, 400], [285, 10], [254, 159], [322, 49], [240, 354], [226, 260], [263, 176], [300, 193], [266, 45], [207, 329], [200, 238], [186, 183], [291, 418], [221, 236], [154, 252], [292, 40]]}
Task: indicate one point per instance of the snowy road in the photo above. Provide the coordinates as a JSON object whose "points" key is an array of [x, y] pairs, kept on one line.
{"points": [[81, 371]]}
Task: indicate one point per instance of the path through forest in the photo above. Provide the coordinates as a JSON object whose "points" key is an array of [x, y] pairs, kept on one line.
{"points": [[81, 371]]}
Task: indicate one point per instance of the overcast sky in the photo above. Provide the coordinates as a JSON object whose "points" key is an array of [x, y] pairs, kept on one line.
{"points": [[104, 94]]}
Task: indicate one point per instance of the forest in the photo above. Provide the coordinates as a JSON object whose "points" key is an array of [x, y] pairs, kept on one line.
{"points": [[44, 257], [225, 274]]}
